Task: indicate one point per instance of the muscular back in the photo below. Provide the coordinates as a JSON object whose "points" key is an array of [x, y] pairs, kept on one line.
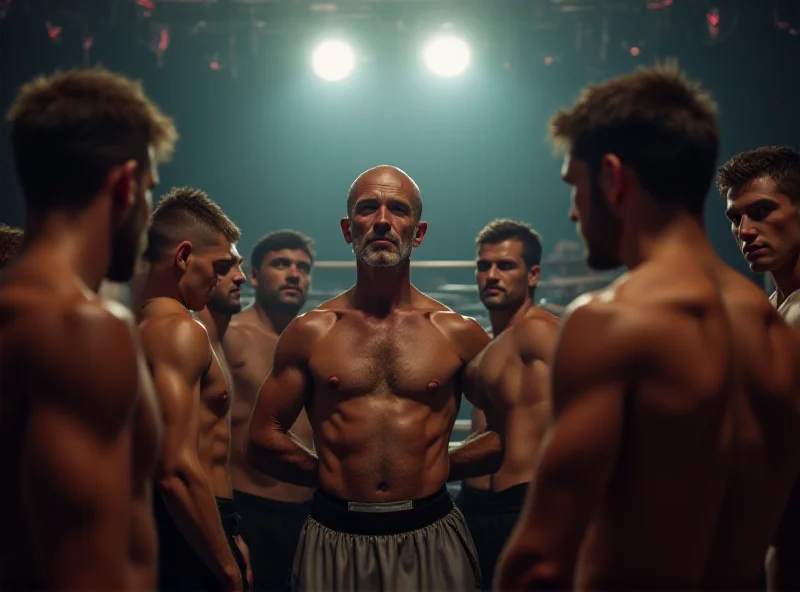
{"points": [[249, 349], [80, 433], [516, 365], [708, 429]]}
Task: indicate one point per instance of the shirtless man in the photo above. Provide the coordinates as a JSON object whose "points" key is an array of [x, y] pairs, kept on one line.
{"points": [[216, 317], [675, 390], [516, 361], [379, 370], [272, 512], [762, 190], [190, 246], [10, 244], [78, 416]]}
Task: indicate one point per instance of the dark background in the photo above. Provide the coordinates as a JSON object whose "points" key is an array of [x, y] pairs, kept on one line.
{"points": [[277, 147]]}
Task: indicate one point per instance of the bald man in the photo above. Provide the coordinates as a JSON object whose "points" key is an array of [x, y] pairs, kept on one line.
{"points": [[380, 372]]}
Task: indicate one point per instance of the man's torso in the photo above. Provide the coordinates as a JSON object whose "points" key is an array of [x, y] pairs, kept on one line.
{"points": [[249, 367], [506, 364], [386, 393], [706, 459], [26, 298], [215, 422]]}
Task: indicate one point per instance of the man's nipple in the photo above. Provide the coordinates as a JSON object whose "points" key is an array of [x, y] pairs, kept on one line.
{"points": [[433, 385], [333, 383]]}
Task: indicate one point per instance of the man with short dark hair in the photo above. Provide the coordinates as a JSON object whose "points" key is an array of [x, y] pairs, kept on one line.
{"points": [[380, 370], [675, 390], [762, 191], [191, 245], [508, 258], [273, 512], [79, 420], [10, 244]]}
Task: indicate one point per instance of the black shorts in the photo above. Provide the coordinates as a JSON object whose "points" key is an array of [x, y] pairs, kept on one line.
{"points": [[180, 568], [491, 516], [271, 529], [405, 546]]}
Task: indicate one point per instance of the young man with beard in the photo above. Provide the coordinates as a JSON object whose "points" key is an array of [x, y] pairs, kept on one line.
{"points": [[10, 244], [190, 247], [273, 512], [78, 415], [380, 370], [516, 362], [762, 191], [676, 388]]}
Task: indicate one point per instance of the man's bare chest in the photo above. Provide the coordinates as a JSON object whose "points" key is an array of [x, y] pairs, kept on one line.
{"points": [[410, 359]]}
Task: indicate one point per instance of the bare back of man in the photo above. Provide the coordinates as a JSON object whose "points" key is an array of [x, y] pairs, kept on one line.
{"points": [[250, 349], [686, 447], [89, 450]]}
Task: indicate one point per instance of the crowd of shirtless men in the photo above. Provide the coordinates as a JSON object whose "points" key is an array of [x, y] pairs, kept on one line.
{"points": [[650, 438]]}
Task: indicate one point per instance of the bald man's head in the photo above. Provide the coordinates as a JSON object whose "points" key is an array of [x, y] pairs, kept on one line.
{"points": [[383, 223], [387, 178]]}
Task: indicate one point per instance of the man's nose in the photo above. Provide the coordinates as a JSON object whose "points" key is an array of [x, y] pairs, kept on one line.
{"points": [[573, 214], [747, 231]]}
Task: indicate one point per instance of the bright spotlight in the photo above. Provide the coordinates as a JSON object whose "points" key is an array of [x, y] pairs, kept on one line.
{"points": [[333, 60], [447, 56]]}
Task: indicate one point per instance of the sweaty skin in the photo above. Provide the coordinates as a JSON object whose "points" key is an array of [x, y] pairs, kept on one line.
{"points": [[674, 445], [250, 350], [79, 440], [193, 390], [381, 394], [515, 364]]}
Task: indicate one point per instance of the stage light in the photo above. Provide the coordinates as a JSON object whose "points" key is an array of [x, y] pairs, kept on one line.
{"points": [[447, 56], [333, 60]]}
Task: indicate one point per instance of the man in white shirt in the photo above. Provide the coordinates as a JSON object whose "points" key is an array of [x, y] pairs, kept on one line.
{"points": [[762, 189]]}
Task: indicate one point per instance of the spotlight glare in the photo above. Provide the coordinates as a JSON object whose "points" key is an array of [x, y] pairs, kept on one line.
{"points": [[333, 60], [447, 56]]}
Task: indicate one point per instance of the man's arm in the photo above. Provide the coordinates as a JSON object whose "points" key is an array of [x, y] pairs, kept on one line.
{"points": [[505, 375], [589, 382], [482, 452], [75, 466], [271, 448], [178, 352]]}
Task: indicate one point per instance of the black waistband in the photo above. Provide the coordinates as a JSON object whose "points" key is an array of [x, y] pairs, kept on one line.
{"points": [[227, 513], [508, 499], [248, 502], [379, 518]]}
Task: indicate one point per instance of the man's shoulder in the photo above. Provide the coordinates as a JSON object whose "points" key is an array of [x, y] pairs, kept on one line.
{"points": [[305, 331], [84, 347], [601, 329], [173, 337], [465, 334], [533, 337]]}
